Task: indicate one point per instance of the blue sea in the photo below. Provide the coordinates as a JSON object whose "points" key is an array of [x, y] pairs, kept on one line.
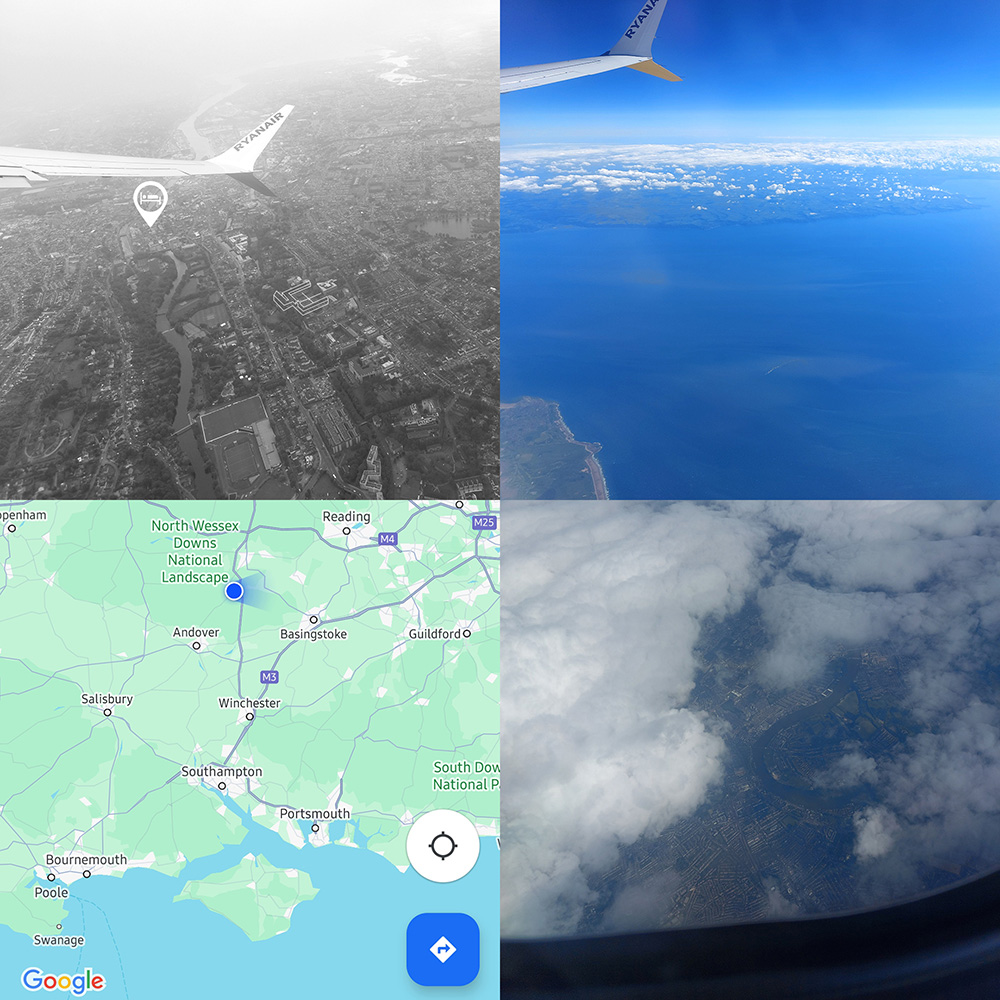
{"points": [[349, 941], [843, 357]]}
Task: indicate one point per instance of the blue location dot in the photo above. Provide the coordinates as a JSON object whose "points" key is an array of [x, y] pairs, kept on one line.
{"points": [[234, 591]]}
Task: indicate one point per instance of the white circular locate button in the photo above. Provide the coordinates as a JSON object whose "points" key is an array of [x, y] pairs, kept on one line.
{"points": [[442, 845]]}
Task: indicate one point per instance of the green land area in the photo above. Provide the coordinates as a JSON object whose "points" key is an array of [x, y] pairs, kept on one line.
{"points": [[143, 714], [254, 895], [540, 459]]}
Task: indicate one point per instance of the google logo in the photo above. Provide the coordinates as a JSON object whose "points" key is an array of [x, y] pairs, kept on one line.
{"points": [[35, 980]]}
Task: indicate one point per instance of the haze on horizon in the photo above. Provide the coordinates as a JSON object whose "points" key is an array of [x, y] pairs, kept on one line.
{"points": [[91, 57]]}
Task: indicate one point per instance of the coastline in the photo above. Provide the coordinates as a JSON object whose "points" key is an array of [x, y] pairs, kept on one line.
{"points": [[592, 448], [540, 418]]}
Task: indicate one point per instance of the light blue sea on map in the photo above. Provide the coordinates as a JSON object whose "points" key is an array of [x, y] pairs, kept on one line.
{"points": [[150, 948]]}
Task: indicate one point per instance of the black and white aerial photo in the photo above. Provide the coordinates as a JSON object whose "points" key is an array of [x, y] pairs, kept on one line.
{"points": [[309, 310]]}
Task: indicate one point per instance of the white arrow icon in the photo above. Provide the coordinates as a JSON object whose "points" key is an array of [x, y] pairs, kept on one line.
{"points": [[150, 198], [443, 949]]}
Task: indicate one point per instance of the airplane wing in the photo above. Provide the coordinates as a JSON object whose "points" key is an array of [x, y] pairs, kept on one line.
{"points": [[25, 167], [522, 77], [633, 51]]}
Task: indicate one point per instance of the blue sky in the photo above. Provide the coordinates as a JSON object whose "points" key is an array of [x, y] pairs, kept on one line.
{"points": [[760, 68]]}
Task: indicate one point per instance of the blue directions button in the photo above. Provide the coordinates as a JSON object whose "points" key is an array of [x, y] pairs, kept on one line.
{"points": [[442, 949]]}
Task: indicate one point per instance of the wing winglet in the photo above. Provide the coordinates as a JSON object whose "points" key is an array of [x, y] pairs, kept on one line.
{"points": [[240, 158], [639, 35]]}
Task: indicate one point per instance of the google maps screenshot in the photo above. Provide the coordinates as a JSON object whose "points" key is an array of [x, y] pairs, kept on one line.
{"points": [[258, 737]]}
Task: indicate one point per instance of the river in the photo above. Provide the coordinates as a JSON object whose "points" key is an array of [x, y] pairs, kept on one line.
{"points": [[202, 149], [204, 489], [201, 146]]}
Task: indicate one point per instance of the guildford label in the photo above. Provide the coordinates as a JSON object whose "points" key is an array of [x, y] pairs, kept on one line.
{"points": [[439, 633]]}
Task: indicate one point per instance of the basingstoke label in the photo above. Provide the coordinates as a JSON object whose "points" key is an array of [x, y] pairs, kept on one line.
{"points": [[313, 635]]}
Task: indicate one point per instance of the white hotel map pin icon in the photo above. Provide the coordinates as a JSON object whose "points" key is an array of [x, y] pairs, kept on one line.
{"points": [[150, 198]]}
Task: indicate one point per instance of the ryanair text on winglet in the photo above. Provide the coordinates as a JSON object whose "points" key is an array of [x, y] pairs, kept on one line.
{"points": [[634, 27], [264, 126]]}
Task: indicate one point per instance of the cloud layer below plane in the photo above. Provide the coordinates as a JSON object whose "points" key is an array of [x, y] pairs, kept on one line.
{"points": [[709, 185], [937, 154], [603, 607], [736, 168]]}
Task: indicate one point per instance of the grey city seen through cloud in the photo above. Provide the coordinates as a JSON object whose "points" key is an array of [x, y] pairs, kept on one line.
{"points": [[730, 712]]}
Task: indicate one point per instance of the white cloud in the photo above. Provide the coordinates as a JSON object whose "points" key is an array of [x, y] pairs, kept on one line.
{"points": [[956, 154], [852, 769], [641, 906], [604, 605], [876, 829], [789, 176], [945, 785]]}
